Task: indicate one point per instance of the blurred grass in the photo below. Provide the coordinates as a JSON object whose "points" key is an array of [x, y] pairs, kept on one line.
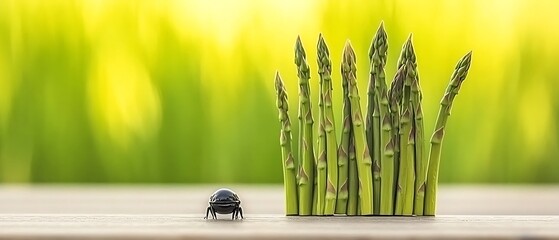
{"points": [[182, 91]]}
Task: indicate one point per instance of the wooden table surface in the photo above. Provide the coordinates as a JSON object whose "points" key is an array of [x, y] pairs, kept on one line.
{"points": [[176, 212]]}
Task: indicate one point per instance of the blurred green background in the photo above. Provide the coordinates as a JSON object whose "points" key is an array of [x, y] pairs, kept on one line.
{"points": [[182, 91]]}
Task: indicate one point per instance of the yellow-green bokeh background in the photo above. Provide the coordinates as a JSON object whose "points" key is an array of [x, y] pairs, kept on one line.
{"points": [[182, 91]]}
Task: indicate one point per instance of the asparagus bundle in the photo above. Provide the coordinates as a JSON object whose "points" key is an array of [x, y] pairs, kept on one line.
{"points": [[456, 80], [289, 177], [380, 166], [306, 153], [421, 163], [363, 158]]}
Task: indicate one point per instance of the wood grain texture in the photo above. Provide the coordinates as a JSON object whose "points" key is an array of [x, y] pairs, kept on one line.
{"points": [[176, 212]]}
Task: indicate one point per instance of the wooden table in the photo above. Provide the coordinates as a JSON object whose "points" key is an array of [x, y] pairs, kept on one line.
{"points": [[176, 212]]}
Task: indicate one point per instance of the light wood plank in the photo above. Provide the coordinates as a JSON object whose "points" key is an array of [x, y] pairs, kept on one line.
{"points": [[276, 227]]}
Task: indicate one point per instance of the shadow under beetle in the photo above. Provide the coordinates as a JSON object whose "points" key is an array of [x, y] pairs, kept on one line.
{"points": [[224, 201]]}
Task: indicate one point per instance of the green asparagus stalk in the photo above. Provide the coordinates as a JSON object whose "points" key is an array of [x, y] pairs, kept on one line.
{"points": [[421, 162], [456, 80], [409, 169], [325, 72], [289, 175], [383, 170], [395, 94], [345, 181], [321, 161], [372, 131], [400, 155], [407, 166], [363, 157], [315, 191], [376, 155], [306, 171], [406, 171], [353, 179]]}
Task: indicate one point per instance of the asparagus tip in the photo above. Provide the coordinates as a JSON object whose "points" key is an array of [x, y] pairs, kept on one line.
{"points": [[379, 41], [322, 47], [468, 57], [299, 51], [349, 54], [278, 80]]}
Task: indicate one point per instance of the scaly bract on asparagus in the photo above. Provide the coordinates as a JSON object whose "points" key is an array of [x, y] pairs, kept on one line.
{"points": [[306, 169], [288, 161], [363, 157], [456, 80]]}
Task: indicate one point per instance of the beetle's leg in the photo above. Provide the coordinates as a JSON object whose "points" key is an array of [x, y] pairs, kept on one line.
{"points": [[213, 213], [233, 214], [207, 212], [240, 210]]}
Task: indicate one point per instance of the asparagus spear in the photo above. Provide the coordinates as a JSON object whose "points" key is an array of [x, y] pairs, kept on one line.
{"points": [[372, 129], [344, 182], [421, 162], [353, 179], [289, 178], [325, 72], [363, 158], [395, 94], [306, 171], [456, 80], [321, 161], [383, 168], [377, 59], [407, 167], [315, 192]]}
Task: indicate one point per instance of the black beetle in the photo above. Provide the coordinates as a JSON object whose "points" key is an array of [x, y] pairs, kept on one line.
{"points": [[224, 201]]}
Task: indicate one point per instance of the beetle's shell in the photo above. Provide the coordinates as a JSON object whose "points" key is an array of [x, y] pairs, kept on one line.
{"points": [[224, 195], [224, 201]]}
